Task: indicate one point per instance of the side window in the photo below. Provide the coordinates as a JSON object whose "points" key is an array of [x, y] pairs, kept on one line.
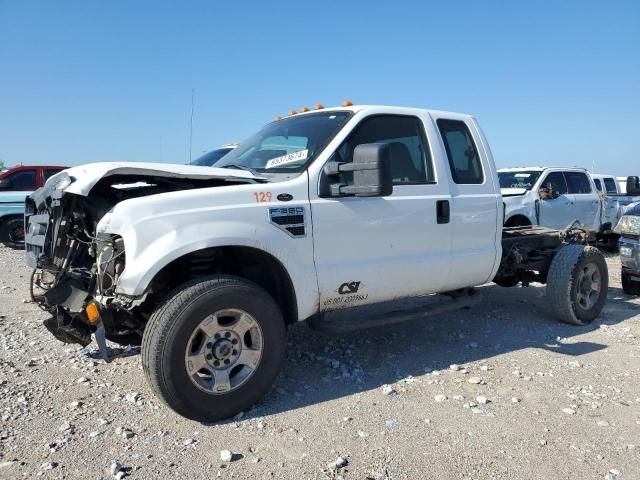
{"points": [[610, 185], [410, 157], [466, 167], [23, 179], [577, 182], [556, 181], [49, 173], [598, 184]]}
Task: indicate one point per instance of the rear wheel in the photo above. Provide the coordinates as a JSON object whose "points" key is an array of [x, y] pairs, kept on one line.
{"points": [[630, 286], [577, 284], [12, 232], [214, 348]]}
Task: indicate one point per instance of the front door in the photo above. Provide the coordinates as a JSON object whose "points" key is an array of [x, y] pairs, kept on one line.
{"points": [[556, 212], [380, 248]]}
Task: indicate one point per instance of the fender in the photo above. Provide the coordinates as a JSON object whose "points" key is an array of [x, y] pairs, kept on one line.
{"points": [[195, 220]]}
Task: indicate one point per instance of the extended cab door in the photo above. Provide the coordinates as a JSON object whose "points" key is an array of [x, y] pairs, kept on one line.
{"points": [[476, 202], [372, 249]]}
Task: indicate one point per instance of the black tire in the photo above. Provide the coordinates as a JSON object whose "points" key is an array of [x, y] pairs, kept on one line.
{"points": [[12, 232], [506, 282], [168, 332], [629, 286], [563, 284], [517, 221]]}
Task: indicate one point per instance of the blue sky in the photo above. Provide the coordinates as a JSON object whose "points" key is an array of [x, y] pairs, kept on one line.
{"points": [[550, 82]]}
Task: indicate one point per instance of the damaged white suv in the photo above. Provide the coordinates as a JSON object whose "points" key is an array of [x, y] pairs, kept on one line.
{"points": [[317, 212]]}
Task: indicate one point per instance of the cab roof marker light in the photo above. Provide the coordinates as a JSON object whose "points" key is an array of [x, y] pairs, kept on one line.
{"points": [[305, 109], [292, 112], [319, 106], [277, 117], [347, 103]]}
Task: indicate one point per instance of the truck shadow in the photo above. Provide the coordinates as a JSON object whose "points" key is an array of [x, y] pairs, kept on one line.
{"points": [[322, 367]]}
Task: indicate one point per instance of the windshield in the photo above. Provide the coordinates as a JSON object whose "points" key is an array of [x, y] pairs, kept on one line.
{"points": [[211, 157], [522, 179], [287, 145]]}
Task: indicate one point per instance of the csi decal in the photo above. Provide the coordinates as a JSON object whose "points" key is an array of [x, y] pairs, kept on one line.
{"points": [[348, 288]]}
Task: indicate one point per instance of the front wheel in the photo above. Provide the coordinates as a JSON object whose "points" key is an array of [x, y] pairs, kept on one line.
{"points": [[630, 286], [577, 284], [12, 232], [214, 348]]}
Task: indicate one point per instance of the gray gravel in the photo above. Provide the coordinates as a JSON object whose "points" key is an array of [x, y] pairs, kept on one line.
{"points": [[500, 391]]}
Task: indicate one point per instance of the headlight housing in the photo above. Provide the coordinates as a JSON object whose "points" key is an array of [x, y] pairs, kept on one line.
{"points": [[628, 225]]}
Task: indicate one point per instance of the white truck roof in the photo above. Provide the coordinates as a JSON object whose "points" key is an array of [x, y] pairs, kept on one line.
{"points": [[390, 109], [540, 169]]}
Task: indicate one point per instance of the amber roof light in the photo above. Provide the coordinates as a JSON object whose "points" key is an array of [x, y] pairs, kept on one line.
{"points": [[347, 103]]}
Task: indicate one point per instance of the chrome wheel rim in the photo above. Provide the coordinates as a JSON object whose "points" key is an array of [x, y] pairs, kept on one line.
{"points": [[589, 286], [224, 351]]}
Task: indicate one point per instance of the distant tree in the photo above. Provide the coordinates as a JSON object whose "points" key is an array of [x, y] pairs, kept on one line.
{"points": [[2, 167]]}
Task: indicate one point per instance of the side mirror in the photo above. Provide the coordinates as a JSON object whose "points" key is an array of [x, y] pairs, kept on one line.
{"points": [[5, 184], [371, 169], [633, 185], [548, 193]]}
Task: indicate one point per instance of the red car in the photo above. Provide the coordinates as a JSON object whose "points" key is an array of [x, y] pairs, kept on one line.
{"points": [[26, 177], [15, 185]]}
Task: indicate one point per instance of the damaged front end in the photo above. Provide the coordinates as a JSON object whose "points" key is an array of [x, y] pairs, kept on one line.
{"points": [[75, 271], [76, 267]]}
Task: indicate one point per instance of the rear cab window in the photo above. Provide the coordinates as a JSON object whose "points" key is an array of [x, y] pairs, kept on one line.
{"points": [[49, 172], [598, 184], [610, 185], [464, 161]]}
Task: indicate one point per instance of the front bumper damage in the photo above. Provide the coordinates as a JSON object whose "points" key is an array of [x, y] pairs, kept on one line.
{"points": [[68, 280]]}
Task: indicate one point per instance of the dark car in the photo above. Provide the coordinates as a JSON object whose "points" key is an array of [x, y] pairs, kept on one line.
{"points": [[209, 158]]}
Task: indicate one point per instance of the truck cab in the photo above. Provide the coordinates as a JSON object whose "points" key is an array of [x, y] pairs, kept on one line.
{"points": [[552, 197], [316, 214]]}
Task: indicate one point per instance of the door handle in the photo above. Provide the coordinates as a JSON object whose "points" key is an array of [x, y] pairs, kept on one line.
{"points": [[443, 211]]}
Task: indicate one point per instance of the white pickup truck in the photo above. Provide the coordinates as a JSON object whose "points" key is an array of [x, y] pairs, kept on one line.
{"points": [[550, 196], [317, 213], [555, 197]]}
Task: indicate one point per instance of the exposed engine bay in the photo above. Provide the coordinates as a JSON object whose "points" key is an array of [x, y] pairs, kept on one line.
{"points": [[76, 269]]}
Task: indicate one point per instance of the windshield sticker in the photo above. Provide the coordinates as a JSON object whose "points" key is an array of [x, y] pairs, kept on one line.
{"points": [[289, 158]]}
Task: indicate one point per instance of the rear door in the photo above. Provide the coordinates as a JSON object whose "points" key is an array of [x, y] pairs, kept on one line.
{"points": [[476, 204], [586, 201]]}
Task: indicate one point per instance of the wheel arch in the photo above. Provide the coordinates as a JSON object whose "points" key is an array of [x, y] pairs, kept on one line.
{"points": [[250, 263], [518, 220]]}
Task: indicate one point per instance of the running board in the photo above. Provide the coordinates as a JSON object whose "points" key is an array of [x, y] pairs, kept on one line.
{"points": [[457, 300]]}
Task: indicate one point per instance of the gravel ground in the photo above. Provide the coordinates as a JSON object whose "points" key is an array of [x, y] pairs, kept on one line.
{"points": [[500, 391]]}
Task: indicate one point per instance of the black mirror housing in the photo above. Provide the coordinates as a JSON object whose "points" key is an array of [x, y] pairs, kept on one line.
{"points": [[633, 185], [371, 169]]}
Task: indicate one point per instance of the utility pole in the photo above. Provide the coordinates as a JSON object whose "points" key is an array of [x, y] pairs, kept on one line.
{"points": [[191, 127]]}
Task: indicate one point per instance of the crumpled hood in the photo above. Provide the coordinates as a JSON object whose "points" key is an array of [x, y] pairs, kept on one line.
{"points": [[511, 192], [86, 176]]}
